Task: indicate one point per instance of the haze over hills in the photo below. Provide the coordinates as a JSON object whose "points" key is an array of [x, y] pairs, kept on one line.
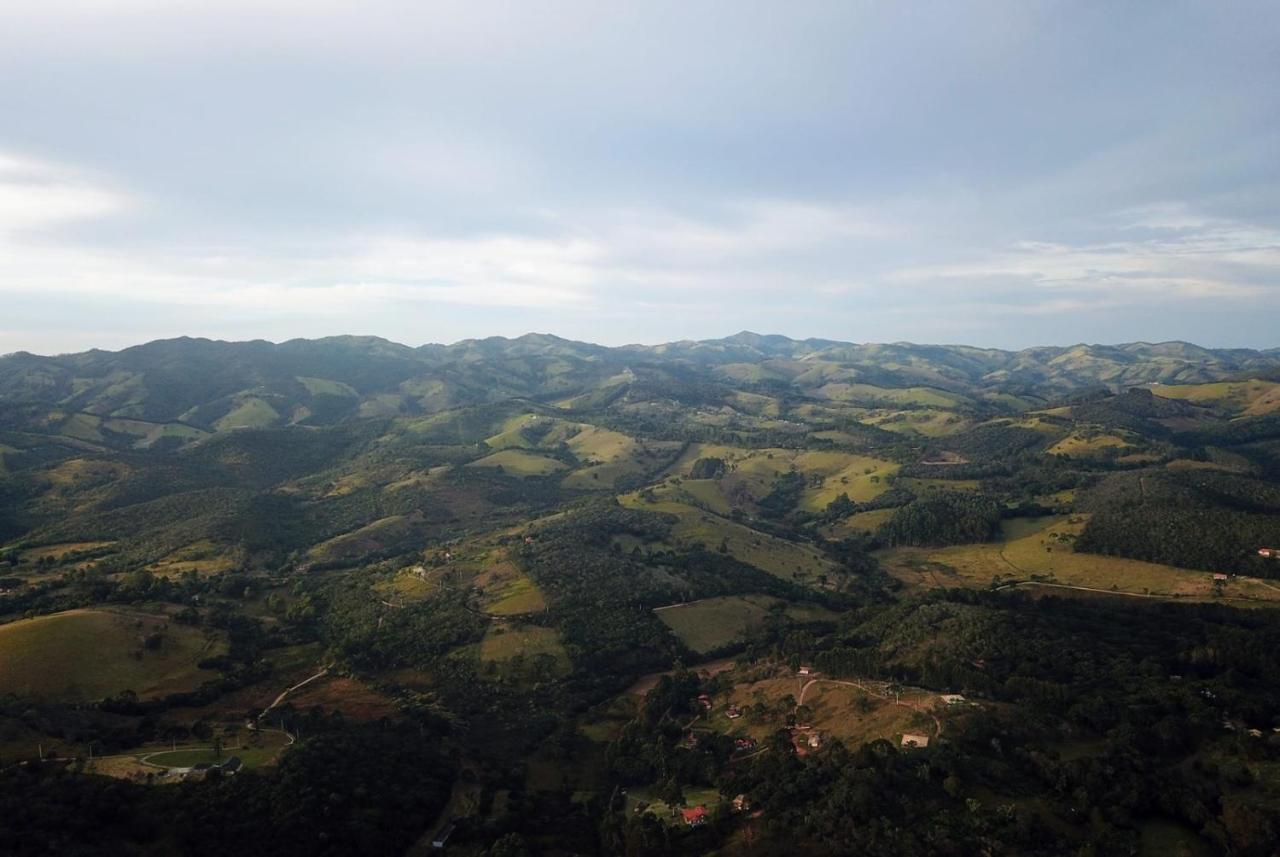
{"points": [[211, 384]]}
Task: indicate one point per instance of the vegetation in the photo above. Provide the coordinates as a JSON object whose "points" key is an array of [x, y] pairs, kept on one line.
{"points": [[554, 594]]}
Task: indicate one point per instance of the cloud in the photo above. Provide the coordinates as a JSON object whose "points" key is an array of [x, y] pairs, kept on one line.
{"points": [[38, 195]]}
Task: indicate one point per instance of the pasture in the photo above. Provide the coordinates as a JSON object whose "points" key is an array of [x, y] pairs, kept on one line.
{"points": [[714, 622], [1040, 549], [517, 462], [86, 655], [779, 557]]}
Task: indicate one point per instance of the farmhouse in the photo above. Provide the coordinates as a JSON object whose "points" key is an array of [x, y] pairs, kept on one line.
{"points": [[1219, 577], [805, 671], [733, 712], [704, 701], [952, 699], [911, 740], [744, 743], [695, 817]]}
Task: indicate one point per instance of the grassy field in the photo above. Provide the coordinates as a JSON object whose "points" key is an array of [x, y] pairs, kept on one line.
{"points": [[926, 422], [838, 711], [778, 557], [85, 655], [516, 596], [60, 550], [202, 557], [753, 472], [505, 640], [249, 412], [713, 622], [1040, 548], [517, 462], [1085, 446], [1247, 398], [255, 749], [862, 522]]}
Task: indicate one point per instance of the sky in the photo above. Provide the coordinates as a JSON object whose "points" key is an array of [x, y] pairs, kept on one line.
{"points": [[1001, 174]]}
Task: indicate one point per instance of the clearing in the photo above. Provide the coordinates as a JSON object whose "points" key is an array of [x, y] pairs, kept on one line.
{"points": [[86, 655]]}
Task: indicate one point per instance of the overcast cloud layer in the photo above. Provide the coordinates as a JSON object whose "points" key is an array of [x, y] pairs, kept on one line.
{"points": [[1000, 174]]}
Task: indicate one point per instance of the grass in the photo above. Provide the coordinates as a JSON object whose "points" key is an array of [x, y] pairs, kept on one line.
{"points": [[326, 387], [519, 595], [919, 396], [1247, 398], [926, 423], [714, 622], [517, 462], [1034, 548], [1085, 446], [85, 655], [505, 640], [256, 749], [862, 522], [753, 473], [202, 557], [249, 412], [776, 556]]}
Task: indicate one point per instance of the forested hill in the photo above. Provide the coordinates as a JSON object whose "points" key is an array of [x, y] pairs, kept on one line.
{"points": [[212, 385]]}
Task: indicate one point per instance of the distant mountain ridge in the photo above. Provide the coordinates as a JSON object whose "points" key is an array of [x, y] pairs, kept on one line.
{"points": [[214, 385]]}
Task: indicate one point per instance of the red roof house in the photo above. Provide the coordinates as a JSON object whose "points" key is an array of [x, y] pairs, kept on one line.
{"points": [[696, 816]]}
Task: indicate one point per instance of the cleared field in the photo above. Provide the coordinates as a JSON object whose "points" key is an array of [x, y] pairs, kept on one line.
{"points": [[862, 522], [926, 423], [1084, 446], [517, 596], [517, 462], [1248, 398], [250, 412], [58, 551], [85, 655], [842, 711], [928, 397], [326, 387], [714, 622], [505, 640], [352, 697], [255, 749], [752, 473], [778, 557], [1039, 549], [202, 557]]}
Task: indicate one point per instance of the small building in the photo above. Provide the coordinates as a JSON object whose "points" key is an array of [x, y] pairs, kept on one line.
{"points": [[805, 671], [953, 699], [744, 743], [741, 804], [1219, 577], [815, 740], [442, 838], [733, 712], [695, 817], [913, 741], [1255, 733], [704, 701]]}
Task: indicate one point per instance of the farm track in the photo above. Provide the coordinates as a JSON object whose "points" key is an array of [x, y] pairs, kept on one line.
{"points": [[285, 693]]}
